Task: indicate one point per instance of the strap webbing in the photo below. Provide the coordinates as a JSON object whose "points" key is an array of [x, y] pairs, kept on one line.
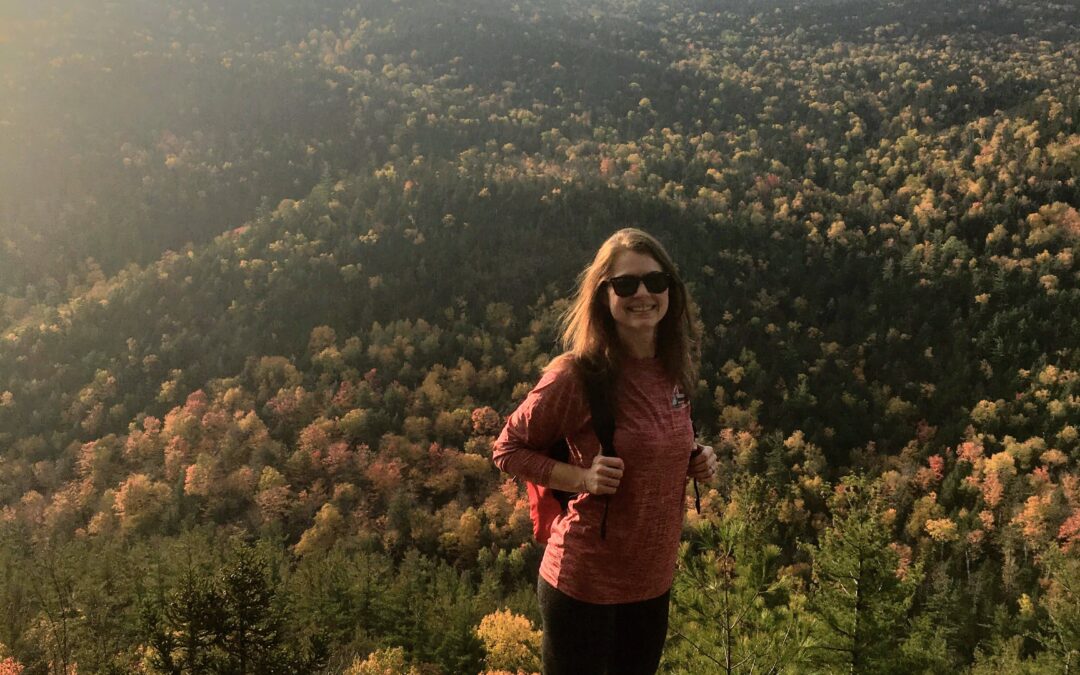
{"points": [[602, 409]]}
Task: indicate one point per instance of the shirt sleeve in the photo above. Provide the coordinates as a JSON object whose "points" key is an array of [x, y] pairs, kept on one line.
{"points": [[554, 409]]}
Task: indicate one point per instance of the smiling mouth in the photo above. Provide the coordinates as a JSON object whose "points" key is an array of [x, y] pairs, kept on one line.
{"points": [[641, 310]]}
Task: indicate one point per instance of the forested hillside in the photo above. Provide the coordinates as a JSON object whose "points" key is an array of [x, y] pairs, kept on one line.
{"points": [[272, 276]]}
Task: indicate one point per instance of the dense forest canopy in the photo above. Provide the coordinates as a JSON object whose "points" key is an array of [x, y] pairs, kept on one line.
{"points": [[272, 275]]}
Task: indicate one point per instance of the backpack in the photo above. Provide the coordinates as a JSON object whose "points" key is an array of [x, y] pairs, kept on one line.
{"points": [[547, 504]]}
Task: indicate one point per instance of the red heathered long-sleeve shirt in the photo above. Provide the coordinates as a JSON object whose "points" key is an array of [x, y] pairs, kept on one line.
{"points": [[653, 436]]}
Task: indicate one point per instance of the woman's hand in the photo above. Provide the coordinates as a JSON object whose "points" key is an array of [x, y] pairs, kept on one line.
{"points": [[702, 463], [604, 476]]}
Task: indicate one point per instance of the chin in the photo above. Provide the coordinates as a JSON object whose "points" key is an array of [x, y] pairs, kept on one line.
{"points": [[642, 322]]}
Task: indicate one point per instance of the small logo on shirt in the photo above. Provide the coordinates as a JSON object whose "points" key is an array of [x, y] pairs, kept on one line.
{"points": [[678, 399]]}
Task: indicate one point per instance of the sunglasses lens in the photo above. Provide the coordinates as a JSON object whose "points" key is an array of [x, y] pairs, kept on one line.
{"points": [[625, 286], [655, 282]]}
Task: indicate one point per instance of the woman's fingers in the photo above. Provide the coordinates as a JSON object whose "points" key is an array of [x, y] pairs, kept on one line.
{"points": [[703, 463], [604, 475], [611, 467], [610, 472]]}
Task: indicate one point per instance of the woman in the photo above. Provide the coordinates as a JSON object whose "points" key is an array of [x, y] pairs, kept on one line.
{"points": [[604, 600]]}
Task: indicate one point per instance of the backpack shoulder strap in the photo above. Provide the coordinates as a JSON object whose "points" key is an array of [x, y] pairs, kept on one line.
{"points": [[602, 410], [601, 406]]}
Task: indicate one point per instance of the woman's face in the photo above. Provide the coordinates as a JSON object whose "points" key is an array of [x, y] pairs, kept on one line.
{"points": [[639, 314]]}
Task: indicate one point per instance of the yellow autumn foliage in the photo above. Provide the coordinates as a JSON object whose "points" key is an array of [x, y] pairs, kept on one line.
{"points": [[383, 662], [941, 530], [510, 641]]}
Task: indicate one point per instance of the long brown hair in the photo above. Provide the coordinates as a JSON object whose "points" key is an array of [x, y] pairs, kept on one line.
{"points": [[589, 334]]}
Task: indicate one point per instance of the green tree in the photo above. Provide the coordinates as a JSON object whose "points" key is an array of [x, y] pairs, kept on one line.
{"points": [[250, 633], [860, 595], [230, 622], [732, 610], [180, 625], [1061, 602]]}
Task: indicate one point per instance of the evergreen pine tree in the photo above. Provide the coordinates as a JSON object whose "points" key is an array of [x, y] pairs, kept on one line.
{"points": [[860, 596], [732, 612]]}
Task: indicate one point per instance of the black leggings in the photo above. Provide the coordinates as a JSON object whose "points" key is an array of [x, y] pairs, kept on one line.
{"points": [[581, 638]]}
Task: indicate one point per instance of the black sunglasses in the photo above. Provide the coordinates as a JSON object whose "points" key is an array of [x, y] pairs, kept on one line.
{"points": [[627, 285]]}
